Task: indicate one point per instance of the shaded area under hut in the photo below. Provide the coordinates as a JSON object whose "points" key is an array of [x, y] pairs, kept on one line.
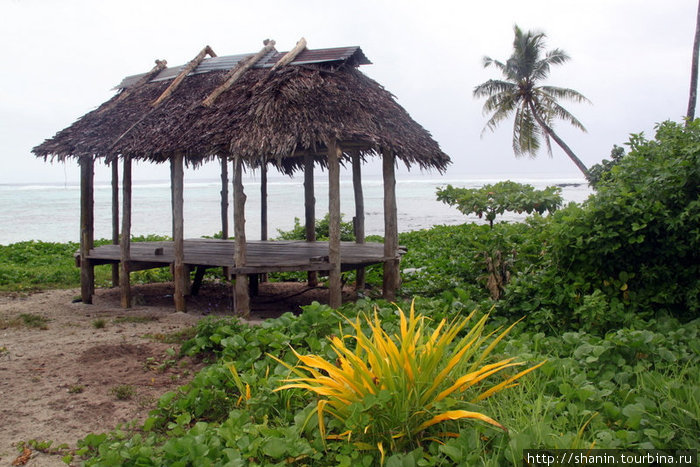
{"points": [[290, 110]]}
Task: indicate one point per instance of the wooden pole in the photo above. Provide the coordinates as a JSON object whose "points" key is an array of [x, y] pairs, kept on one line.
{"points": [[263, 202], [176, 162], [87, 228], [241, 296], [115, 216], [224, 197], [263, 225], [391, 236], [160, 66], [189, 68], [310, 211], [334, 283], [291, 55], [359, 223], [238, 71], [125, 241], [224, 206]]}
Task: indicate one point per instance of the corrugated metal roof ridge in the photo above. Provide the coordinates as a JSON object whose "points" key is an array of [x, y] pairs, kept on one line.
{"points": [[227, 62]]}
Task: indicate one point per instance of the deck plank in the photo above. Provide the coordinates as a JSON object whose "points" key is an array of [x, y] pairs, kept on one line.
{"points": [[262, 256]]}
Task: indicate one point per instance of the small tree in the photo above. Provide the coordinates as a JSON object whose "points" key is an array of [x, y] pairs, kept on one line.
{"points": [[493, 200]]}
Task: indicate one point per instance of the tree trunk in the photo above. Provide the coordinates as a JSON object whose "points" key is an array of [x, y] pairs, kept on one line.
{"points": [[581, 166], [694, 71]]}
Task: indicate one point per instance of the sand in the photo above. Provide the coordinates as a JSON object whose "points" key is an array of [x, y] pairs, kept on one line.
{"points": [[59, 383]]}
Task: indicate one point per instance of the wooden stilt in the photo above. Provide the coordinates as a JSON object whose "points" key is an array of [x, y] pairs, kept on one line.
{"points": [[87, 228], [241, 297], [224, 206], [115, 216], [359, 224], [125, 240], [263, 202], [310, 211], [263, 216], [180, 280], [334, 283], [391, 235]]}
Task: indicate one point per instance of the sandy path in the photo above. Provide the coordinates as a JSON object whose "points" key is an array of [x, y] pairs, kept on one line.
{"points": [[58, 383]]}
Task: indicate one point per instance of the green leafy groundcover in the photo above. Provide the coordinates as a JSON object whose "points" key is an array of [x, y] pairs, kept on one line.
{"points": [[632, 388]]}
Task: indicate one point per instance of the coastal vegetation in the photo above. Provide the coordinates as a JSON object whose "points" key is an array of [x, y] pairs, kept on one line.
{"points": [[520, 94], [606, 293]]}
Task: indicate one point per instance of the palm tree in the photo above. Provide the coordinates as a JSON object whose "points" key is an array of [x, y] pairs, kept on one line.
{"points": [[535, 106]]}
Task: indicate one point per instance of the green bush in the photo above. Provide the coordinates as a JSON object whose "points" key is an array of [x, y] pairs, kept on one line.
{"points": [[298, 232], [637, 240]]}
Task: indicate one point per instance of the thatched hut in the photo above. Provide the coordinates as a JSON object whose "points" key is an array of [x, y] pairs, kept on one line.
{"points": [[290, 110]]}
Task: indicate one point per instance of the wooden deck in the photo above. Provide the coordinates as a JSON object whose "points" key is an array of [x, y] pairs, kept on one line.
{"points": [[261, 256]]}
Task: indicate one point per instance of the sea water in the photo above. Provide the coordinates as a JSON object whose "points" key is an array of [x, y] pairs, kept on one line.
{"points": [[51, 212]]}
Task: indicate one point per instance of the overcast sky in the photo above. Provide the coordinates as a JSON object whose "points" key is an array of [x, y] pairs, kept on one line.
{"points": [[631, 58]]}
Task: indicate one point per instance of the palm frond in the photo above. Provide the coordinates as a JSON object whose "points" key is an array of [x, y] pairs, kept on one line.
{"points": [[564, 93], [488, 61], [494, 86], [526, 134]]}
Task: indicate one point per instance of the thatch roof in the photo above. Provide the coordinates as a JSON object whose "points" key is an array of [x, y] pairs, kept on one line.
{"points": [[266, 116]]}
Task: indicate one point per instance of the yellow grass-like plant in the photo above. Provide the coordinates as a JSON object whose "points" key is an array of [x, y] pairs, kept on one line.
{"points": [[388, 391]]}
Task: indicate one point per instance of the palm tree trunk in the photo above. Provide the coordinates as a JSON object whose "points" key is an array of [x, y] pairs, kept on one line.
{"points": [[694, 71], [581, 166]]}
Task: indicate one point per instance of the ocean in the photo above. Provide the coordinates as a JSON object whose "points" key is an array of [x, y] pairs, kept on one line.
{"points": [[51, 212]]}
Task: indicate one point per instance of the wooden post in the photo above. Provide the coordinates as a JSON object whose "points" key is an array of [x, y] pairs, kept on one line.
{"points": [[224, 206], [115, 216], [263, 202], [177, 182], [334, 284], [391, 236], [310, 211], [263, 224], [241, 297], [359, 223], [125, 240], [87, 228]]}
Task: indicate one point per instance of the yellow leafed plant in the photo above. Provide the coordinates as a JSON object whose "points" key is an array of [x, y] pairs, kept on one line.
{"points": [[388, 391]]}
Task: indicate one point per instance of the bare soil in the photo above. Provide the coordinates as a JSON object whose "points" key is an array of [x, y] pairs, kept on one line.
{"points": [[63, 382]]}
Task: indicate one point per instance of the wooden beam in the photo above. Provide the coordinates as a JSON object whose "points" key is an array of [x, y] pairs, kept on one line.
{"points": [[291, 55], [241, 297], [87, 228], [125, 240], [391, 236], [334, 283], [310, 211], [177, 183], [239, 70], [189, 68], [115, 216], [359, 221]]}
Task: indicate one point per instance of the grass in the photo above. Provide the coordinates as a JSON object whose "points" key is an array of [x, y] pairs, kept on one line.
{"points": [[123, 392], [176, 337], [135, 319], [99, 323], [28, 320]]}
